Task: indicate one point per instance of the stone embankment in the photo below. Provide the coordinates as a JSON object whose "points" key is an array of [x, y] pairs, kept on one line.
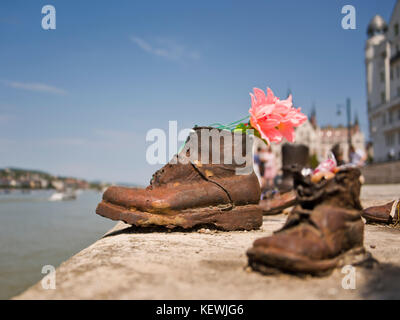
{"points": [[127, 264]]}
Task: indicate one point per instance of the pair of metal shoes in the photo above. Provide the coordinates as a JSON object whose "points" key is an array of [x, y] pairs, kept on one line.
{"points": [[323, 228]]}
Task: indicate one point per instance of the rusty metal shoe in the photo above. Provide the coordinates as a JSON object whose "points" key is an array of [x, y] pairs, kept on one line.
{"points": [[388, 213], [323, 232], [278, 203], [188, 193]]}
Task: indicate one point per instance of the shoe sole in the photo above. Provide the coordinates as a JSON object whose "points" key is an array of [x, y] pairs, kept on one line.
{"points": [[269, 210], [270, 261], [247, 217], [277, 204]]}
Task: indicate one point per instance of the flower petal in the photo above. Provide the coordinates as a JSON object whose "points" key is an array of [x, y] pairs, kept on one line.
{"points": [[273, 135], [260, 96], [287, 131], [274, 118], [265, 110], [270, 96]]}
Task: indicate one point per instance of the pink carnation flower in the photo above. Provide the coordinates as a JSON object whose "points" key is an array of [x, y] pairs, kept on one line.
{"points": [[274, 118]]}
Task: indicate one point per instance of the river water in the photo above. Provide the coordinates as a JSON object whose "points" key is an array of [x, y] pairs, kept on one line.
{"points": [[35, 232]]}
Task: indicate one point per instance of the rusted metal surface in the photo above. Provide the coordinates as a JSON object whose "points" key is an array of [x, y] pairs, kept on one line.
{"points": [[388, 213], [191, 194], [293, 156], [324, 229], [246, 217], [278, 203]]}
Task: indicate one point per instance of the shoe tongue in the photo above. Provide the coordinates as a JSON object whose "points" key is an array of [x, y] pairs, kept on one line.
{"points": [[299, 216], [210, 146], [203, 146]]}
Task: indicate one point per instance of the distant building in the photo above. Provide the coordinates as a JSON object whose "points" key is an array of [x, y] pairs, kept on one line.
{"points": [[320, 140], [6, 183], [382, 61], [43, 183], [29, 179], [309, 134], [28, 183], [76, 183], [330, 136], [57, 184]]}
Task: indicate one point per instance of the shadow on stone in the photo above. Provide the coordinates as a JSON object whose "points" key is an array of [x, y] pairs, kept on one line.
{"points": [[382, 282], [209, 228]]}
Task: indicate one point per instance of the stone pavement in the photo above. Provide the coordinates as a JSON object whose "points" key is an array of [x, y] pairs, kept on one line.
{"points": [[385, 172], [126, 264]]}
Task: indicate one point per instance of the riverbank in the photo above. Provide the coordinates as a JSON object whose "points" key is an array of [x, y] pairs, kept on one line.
{"points": [[127, 264], [35, 232]]}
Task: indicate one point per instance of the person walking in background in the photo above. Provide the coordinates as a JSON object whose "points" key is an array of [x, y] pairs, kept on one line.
{"points": [[370, 153], [392, 154], [270, 170], [259, 166], [357, 157], [338, 153]]}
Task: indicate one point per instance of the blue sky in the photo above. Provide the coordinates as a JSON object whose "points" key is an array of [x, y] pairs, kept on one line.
{"points": [[80, 99]]}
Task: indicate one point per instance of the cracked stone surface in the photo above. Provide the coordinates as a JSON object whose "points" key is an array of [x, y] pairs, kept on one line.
{"points": [[208, 264]]}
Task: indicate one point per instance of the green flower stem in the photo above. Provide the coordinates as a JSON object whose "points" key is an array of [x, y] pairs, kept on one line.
{"points": [[231, 127]]}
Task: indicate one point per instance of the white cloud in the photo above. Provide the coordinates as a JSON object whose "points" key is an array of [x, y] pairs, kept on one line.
{"points": [[166, 48], [35, 86]]}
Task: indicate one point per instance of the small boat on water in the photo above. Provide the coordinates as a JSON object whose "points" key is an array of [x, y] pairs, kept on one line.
{"points": [[68, 194]]}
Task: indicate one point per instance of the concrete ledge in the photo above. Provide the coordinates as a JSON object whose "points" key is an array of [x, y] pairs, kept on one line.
{"points": [[382, 173], [126, 264]]}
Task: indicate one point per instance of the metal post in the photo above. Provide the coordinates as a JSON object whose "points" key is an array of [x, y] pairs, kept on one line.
{"points": [[348, 109]]}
